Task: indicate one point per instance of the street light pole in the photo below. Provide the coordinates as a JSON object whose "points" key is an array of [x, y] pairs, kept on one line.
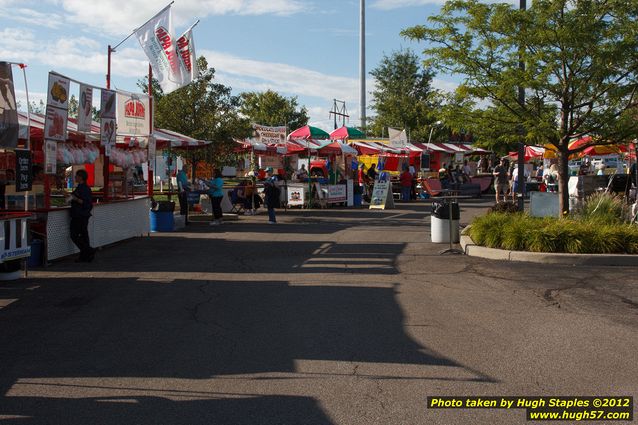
{"points": [[362, 64], [436, 124]]}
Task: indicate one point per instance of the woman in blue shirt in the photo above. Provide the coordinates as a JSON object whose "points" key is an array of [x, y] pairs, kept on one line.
{"points": [[216, 193]]}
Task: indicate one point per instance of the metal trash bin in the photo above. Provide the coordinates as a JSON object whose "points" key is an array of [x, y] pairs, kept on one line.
{"points": [[440, 222]]}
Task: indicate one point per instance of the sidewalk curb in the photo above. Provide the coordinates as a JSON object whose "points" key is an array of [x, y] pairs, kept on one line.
{"points": [[473, 250]]}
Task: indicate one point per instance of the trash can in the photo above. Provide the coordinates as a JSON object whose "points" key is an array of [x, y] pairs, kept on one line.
{"points": [[35, 260], [161, 216], [440, 222]]}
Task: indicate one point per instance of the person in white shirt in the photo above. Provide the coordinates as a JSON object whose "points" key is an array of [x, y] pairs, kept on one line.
{"points": [[515, 189]]}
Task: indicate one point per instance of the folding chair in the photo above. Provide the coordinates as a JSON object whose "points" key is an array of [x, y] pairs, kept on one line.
{"points": [[428, 185], [236, 203]]}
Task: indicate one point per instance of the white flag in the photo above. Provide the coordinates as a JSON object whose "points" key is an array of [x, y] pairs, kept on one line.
{"points": [[187, 58], [156, 38], [398, 138]]}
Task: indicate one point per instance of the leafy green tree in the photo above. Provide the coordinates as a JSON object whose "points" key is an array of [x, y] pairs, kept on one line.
{"points": [[404, 97], [204, 110], [272, 109], [74, 107], [580, 74]]}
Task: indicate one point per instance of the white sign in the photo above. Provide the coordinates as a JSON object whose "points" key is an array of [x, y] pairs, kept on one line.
{"points": [[382, 196], [156, 38], [85, 108], [296, 195], [270, 135], [270, 161], [459, 157], [398, 138], [50, 157], [58, 94], [107, 132], [55, 123], [107, 104], [337, 193], [133, 114]]}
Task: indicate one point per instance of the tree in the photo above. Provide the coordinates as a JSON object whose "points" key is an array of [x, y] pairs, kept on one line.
{"points": [[272, 109], [74, 107], [204, 110], [404, 97], [580, 67]]}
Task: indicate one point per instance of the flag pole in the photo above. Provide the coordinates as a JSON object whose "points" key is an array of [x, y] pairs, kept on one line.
{"points": [[149, 182]]}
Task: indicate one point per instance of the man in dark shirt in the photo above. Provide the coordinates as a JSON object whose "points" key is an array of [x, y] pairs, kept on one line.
{"points": [[81, 206]]}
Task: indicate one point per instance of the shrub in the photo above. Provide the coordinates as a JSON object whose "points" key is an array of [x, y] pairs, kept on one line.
{"points": [[520, 232], [603, 208]]}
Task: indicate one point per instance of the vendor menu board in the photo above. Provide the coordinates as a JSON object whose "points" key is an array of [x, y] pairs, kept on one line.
{"points": [[85, 108], [24, 177]]}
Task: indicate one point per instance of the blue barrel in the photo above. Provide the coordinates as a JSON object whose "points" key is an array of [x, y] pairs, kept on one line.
{"points": [[357, 198], [162, 221], [35, 260]]}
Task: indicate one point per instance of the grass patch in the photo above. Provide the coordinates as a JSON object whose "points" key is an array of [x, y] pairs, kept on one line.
{"points": [[578, 235]]}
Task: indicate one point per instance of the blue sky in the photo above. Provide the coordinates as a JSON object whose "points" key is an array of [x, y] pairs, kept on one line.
{"points": [[304, 48]]}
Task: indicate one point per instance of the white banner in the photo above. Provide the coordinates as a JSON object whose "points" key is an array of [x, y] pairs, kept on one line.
{"points": [[337, 193], [187, 57], [55, 123], [107, 104], [270, 135], [50, 157], [133, 114], [85, 108], [156, 38], [107, 132], [58, 94], [398, 138]]}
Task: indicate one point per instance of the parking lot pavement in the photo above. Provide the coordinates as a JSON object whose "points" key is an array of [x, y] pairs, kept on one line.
{"points": [[330, 317]]}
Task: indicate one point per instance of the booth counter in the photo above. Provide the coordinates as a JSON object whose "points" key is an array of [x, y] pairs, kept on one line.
{"points": [[111, 222]]}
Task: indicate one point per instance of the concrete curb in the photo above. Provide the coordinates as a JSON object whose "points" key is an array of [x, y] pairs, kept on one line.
{"points": [[473, 250]]}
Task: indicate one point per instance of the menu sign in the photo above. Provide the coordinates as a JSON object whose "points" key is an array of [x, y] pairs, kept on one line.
{"points": [[50, 157], [24, 177]]}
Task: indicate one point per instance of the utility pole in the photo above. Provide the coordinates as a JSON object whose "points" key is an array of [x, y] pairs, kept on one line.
{"points": [[339, 110], [362, 65], [521, 144]]}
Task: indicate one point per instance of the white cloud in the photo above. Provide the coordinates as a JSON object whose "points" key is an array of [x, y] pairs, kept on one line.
{"points": [[18, 44], [31, 16], [121, 17], [397, 4]]}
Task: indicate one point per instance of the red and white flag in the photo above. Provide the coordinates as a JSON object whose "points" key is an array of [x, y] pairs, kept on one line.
{"points": [[187, 58], [158, 42]]}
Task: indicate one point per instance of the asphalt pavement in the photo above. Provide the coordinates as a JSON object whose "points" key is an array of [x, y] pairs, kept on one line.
{"points": [[329, 317]]}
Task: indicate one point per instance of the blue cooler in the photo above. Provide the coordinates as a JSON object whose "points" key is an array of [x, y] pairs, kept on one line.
{"points": [[162, 221]]}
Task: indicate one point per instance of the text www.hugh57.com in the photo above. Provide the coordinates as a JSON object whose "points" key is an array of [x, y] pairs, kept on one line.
{"points": [[587, 415]]}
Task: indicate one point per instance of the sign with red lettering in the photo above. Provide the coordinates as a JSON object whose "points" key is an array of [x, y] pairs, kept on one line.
{"points": [[158, 43], [132, 114], [187, 57]]}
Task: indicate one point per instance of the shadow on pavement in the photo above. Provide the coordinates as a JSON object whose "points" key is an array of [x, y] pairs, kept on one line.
{"points": [[132, 328], [263, 410]]}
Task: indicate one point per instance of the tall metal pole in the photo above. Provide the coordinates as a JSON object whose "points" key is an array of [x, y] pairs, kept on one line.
{"points": [[150, 183], [521, 145], [107, 163], [362, 65]]}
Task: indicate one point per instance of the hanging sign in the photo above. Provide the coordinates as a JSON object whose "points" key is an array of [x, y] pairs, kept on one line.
{"points": [[382, 196], [187, 57], [107, 104], [270, 135], [107, 132], [58, 94], [50, 157], [55, 124], [24, 177], [85, 108], [133, 114], [9, 126]]}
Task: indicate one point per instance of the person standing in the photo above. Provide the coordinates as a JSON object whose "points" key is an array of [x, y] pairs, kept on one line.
{"points": [[216, 193], [406, 184], [271, 192], [501, 181], [182, 192], [372, 172], [81, 207]]}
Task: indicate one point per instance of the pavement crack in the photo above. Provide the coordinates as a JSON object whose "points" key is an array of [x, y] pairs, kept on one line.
{"points": [[195, 310]]}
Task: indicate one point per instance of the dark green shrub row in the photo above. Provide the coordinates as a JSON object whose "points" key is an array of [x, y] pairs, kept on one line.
{"points": [[520, 232]]}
